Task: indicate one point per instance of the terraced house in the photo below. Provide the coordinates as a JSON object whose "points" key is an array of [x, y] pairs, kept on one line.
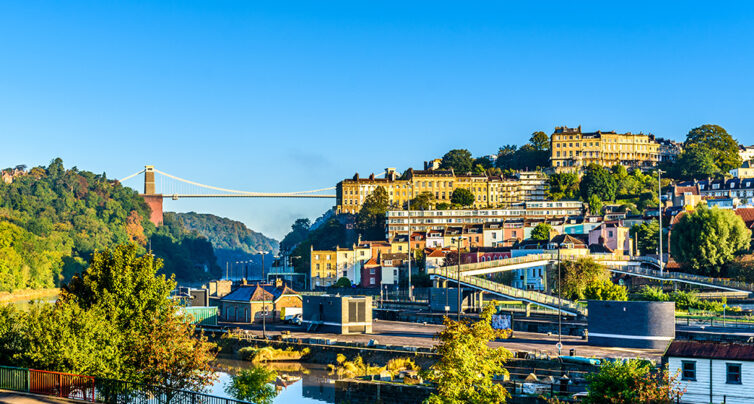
{"points": [[571, 149]]}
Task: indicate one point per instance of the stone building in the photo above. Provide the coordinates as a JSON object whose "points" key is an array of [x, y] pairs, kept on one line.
{"points": [[247, 303], [571, 149]]}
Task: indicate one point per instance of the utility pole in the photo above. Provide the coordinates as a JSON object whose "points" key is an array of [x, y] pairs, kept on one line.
{"points": [[560, 307], [408, 216], [458, 277], [264, 313], [659, 213]]}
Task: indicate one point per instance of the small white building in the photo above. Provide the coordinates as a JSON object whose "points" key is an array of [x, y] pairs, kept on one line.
{"points": [[713, 372]]}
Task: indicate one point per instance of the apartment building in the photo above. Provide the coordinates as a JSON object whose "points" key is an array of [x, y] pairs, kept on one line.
{"points": [[488, 191], [571, 149], [425, 220]]}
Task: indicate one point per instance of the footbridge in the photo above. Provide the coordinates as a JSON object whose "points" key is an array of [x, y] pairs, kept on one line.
{"points": [[507, 292], [616, 263]]}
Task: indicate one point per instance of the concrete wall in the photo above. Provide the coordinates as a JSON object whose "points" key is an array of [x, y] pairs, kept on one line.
{"points": [[339, 314], [648, 325]]}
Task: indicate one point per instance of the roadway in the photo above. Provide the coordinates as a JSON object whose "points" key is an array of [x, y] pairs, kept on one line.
{"points": [[420, 335]]}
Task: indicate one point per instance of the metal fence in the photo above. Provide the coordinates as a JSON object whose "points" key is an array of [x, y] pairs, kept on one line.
{"points": [[99, 390]]}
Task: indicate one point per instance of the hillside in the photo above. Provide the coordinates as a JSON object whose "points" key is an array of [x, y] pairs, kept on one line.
{"points": [[53, 219], [227, 234]]}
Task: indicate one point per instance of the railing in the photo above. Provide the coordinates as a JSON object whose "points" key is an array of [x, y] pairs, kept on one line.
{"points": [[510, 291], [723, 282], [99, 390]]}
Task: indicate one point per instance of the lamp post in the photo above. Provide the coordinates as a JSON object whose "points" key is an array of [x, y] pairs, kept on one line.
{"points": [[408, 222], [659, 213], [264, 301], [560, 306], [458, 241]]}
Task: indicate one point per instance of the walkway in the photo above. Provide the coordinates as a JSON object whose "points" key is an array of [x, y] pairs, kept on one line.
{"points": [[20, 398]]}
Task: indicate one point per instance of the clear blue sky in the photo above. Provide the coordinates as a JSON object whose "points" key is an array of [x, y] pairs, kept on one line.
{"points": [[283, 96]]}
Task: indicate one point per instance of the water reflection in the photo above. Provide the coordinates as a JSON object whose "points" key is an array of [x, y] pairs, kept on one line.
{"points": [[296, 382]]}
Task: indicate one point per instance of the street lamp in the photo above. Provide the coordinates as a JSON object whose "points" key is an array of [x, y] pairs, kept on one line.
{"points": [[560, 306], [659, 214], [408, 221], [264, 300], [458, 241]]}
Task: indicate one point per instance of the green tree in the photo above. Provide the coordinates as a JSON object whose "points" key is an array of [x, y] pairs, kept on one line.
{"points": [[540, 141], [423, 201], [370, 222], [253, 385], [505, 157], [598, 181], [459, 160], [595, 204], [299, 231], [605, 290], [631, 382], [696, 161], [541, 232], [563, 186], [647, 236], [577, 275], [707, 239], [462, 197], [716, 140], [467, 364], [342, 282]]}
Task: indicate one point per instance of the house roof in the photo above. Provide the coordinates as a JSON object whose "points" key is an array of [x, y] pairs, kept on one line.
{"points": [[680, 190], [599, 249], [578, 240], [711, 350], [437, 253], [747, 214], [258, 293], [373, 262]]}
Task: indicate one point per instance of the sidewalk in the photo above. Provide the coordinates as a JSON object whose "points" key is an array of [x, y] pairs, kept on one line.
{"points": [[23, 398]]}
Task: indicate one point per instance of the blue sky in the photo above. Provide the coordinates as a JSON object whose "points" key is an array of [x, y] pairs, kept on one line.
{"points": [[286, 96]]}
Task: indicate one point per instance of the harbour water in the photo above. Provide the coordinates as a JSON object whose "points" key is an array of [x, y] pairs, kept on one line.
{"points": [[297, 382]]}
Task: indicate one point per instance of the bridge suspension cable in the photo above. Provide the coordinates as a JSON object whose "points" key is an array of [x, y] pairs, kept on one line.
{"points": [[131, 176], [234, 191]]}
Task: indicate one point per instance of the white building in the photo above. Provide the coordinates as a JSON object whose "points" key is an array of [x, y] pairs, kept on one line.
{"points": [[746, 152], [713, 372]]}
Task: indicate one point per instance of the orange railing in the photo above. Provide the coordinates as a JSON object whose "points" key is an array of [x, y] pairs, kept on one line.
{"points": [[66, 385]]}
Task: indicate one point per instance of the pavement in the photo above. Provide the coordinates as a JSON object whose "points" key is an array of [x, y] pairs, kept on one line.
{"points": [[21, 398], [420, 335]]}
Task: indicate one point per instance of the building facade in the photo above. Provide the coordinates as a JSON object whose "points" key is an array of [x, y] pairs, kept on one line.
{"points": [[571, 149], [488, 191]]}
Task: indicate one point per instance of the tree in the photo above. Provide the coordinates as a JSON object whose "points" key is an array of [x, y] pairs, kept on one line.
{"points": [[505, 156], [423, 201], [563, 186], [459, 160], [299, 230], [605, 290], [540, 141], [696, 161], [370, 222], [541, 232], [467, 364], [577, 275], [708, 239], [253, 385], [647, 236], [631, 382], [716, 140], [342, 282], [595, 204], [598, 181], [462, 197]]}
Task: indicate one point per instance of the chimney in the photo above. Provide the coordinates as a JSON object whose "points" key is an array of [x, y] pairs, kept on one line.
{"points": [[278, 283]]}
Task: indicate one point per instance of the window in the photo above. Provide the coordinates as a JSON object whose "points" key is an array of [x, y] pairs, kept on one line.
{"points": [[733, 373], [688, 370], [371, 281], [371, 271]]}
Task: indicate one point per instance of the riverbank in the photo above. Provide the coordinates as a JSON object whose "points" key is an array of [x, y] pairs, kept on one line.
{"points": [[28, 294]]}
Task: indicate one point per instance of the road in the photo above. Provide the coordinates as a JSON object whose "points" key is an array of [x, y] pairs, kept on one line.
{"points": [[420, 335]]}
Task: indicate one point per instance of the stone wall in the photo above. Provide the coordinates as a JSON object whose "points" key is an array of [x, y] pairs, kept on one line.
{"points": [[360, 391]]}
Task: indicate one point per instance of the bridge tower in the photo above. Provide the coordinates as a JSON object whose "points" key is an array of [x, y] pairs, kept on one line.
{"points": [[150, 197], [149, 180]]}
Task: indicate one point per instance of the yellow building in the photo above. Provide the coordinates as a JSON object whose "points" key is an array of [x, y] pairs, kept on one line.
{"points": [[323, 268], [571, 149], [488, 191]]}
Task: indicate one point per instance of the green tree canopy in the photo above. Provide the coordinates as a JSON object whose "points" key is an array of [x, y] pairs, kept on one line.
{"points": [[577, 275], [541, 232], [540, 141], [707, 239], [253, 385], [563, 186], [467, 364], [595, 204], [605, 290], [647, 236], [631, 382], [716, 140], [462, 197], [423, 201], [370, 222], [459, 160], [598, 181]]}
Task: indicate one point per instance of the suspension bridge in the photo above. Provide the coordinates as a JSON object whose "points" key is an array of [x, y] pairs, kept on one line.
{"points": [[168, 186]]}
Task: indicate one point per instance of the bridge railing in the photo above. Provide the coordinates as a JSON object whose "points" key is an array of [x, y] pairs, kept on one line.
{"points": [[506, 290], [99, 390], [551, 257], [690, 277]]}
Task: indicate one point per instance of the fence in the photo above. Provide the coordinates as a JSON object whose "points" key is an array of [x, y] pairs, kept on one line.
{"points": [[99, 390]]}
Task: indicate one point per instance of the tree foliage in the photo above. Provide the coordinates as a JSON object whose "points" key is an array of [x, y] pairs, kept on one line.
{"points": [[631, 382], [714, 139], [462, 197], [598, 181], [577, 275], [299, 230], [540, 141], [563, 186], [370, 222], [605, 290], [467, 364], [647, 236], [226, 234], [253, 385], [707, 239], [459, 160], [423, 201], [541, 232]]}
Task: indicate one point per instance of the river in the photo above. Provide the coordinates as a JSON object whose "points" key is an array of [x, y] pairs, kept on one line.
{"points": [[297, 382]]}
